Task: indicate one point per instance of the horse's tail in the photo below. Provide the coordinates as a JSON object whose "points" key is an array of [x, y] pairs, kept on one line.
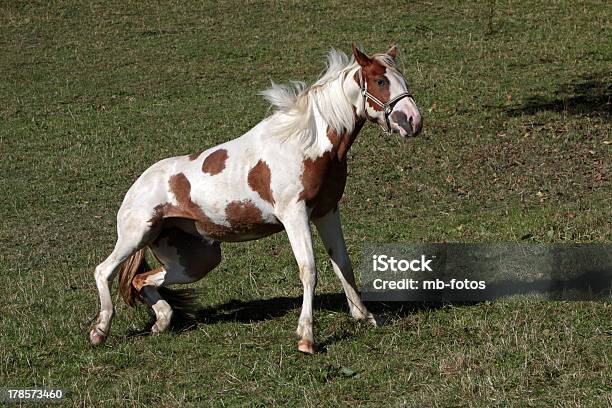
{"points": [[131, 267]]}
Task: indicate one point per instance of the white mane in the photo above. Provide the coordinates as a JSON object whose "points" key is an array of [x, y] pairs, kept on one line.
{"points": [[294, 103]]}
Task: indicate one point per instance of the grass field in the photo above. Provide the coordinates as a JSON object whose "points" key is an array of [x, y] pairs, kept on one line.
{"points": [[516, 147]]}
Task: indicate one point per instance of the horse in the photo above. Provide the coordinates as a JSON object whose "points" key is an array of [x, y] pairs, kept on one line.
{"points": [[287, 171]]}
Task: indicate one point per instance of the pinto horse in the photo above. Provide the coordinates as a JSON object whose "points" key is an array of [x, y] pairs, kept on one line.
{"points": [[286, 171]]}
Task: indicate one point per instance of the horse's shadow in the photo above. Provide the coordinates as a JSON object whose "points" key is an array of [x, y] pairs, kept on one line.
{"points": [[592, 282], [268, 309]]}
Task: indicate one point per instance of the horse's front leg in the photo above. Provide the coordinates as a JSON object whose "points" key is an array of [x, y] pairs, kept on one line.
{"points": [[297, 227], [330, 230]]}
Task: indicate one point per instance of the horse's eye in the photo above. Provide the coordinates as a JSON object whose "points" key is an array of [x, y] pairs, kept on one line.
{"points": [[381, 82]]}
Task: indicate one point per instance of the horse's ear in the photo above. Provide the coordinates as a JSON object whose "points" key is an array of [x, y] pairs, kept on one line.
{"points": [[360, 57], [392, 52]]}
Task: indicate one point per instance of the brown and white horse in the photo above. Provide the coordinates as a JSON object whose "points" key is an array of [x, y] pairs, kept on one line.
{"points": [[288, 170]]}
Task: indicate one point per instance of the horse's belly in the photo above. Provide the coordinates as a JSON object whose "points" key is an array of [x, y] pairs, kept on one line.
{"points": [[254, 232], [206, 229]]}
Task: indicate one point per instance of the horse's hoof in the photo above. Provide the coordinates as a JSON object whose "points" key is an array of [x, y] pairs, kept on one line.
{"points": [[96, 336], [376, 320], [306, 346], [160, 327]]}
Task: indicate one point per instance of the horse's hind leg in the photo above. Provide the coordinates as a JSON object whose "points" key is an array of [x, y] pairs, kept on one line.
{"points": [[146, 284], [185, 258], [133, 232]]}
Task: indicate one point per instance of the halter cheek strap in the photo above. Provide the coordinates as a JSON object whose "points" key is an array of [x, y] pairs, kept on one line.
{"points": [[387, 107]]}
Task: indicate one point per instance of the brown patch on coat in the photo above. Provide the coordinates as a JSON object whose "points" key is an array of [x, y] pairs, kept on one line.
{"points": [[246, 218], [194, 156], [331, 189], [243, 215], [181, 188], [259, 180], [214, 163], [140, 280], [324, 178], [357, 79], [333, 137], [313, 175], [342, 143], [186, 208]]}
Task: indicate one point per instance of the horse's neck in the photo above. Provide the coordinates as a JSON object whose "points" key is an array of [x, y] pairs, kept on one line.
{"points": [[341, 141], [325, 175]]}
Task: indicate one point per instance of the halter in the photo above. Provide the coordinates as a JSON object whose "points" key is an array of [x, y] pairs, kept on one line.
{"points": [[387, 107]]}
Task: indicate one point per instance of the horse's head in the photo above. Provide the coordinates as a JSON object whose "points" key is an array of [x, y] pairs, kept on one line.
{"points": [[385, 93]]}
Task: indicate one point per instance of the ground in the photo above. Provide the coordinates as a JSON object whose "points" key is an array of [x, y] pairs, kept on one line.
{"points": [[515, 147]]}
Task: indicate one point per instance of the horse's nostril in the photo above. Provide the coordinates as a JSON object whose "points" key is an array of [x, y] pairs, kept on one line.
{"points": [[411, 122]]}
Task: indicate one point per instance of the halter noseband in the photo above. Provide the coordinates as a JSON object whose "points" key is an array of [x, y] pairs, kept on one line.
{"points": [[387, 107]]}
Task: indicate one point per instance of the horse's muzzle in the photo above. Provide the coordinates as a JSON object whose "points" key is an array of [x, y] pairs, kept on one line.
{"points": [[404, 125]]}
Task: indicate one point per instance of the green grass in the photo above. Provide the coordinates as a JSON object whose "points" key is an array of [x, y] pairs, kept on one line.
{"points": [[516, 144]]}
